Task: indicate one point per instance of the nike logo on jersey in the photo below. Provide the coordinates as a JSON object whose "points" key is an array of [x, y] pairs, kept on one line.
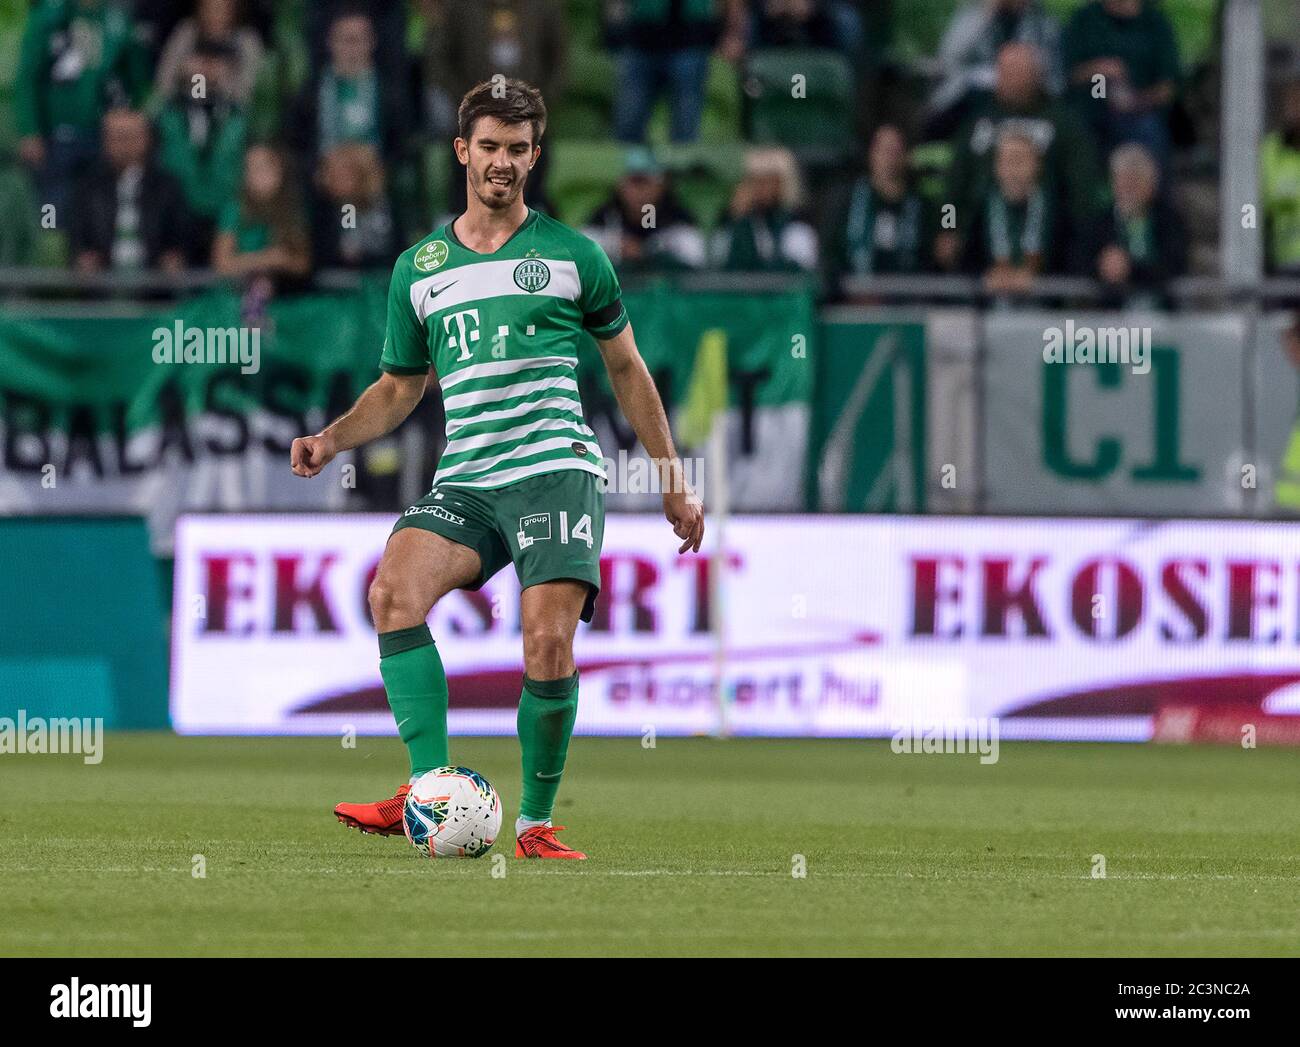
{"points": [[435, 291]]}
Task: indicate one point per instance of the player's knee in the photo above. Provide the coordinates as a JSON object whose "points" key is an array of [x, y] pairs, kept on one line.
{"points": [[548, 652], [394, 607]]}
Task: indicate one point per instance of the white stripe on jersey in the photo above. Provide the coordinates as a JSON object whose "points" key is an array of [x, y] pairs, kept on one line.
{"points": [[523, 472], [469, 443], [497, 367], [479, 397], [564, 403], [478, 465], [470, 283]]}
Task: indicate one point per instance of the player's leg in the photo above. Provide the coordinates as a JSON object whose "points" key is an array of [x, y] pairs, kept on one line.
{"points": [[418, 568], [548, 707], [554, 525]]}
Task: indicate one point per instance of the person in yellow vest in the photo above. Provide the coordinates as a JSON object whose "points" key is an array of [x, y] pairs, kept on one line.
{"points": [[1286, 492], [1279, 169]]}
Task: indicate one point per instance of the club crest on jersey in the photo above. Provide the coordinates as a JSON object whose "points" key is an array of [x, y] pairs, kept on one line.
{"points": [[534, 528], [430, 256], [532, 275]]}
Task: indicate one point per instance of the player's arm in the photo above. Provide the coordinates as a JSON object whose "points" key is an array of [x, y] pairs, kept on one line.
{"points": [[639, 400], [377, 412]]}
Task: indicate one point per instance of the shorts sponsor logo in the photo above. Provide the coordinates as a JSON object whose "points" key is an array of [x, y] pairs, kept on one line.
{"points": [[534, 528], [430, 256], [532, 274], [436, 510]]}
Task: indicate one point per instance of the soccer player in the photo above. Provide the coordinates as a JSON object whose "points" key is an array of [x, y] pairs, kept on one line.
{"points": [[496, 302]]}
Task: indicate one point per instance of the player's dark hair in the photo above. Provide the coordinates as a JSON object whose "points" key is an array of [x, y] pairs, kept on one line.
{"points": [[510, 101]]}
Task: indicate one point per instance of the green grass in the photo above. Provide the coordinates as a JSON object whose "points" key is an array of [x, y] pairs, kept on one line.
{"points": [[692, 847]]}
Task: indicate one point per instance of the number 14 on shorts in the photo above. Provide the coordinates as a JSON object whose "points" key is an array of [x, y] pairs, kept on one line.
{"points": [[537, 528]]}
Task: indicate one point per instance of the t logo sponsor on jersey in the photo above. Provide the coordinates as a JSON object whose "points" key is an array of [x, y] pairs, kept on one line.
{"points": [[534, 528], [467, 332]]}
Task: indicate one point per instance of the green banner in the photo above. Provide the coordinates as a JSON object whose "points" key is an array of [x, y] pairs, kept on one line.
{"points": [[867, 441], [194, 408], [189, 409], [770, 354]]}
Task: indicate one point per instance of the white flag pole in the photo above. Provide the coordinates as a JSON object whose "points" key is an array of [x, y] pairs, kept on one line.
{"points": [[718, 509]]}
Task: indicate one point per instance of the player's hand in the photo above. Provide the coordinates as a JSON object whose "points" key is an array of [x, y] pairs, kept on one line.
{"points": [[310, 454], [685, 511]]}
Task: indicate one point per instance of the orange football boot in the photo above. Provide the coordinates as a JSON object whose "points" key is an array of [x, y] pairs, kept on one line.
{"points": [[540, 842], [383, 817]]}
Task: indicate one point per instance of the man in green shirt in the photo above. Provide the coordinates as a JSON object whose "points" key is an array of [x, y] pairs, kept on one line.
{"points": [[1020, 104], [1122, 61], [202, 143], [497, 302], [78, 59]]}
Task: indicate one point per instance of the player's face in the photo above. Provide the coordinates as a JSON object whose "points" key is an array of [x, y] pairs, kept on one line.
{"points": [[497, 159]]}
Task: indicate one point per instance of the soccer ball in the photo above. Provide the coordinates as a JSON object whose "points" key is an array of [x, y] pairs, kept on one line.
{"points": [[452, 812]]}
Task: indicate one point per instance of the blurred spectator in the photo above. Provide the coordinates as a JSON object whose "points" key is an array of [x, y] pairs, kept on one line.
{"points": [[130, 214], [1069, 168], [883, 227], [524, 39], [1279, 167], [349, 101], [352, 226], [156, 20], [1122, 62], [78, 58], [218, 21], [19, 230], [794, 23], [387, 20], [662, 49], [643, 225], [764, 230], [202, 142], [1014, 238], [1140, 240], [262, 234], [969, 51]]}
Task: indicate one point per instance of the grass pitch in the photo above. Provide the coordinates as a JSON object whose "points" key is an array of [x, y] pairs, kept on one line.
{"points": [[693, 845]]}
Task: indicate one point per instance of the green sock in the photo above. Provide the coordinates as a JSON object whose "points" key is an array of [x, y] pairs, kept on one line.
{"points": [[547, 709], [417, 694]]}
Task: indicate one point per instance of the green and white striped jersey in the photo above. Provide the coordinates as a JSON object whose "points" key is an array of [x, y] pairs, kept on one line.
{"points": [[502, 331]]}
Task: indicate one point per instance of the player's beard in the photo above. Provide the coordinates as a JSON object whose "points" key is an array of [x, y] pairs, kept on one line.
{"points": [[491, 196]]}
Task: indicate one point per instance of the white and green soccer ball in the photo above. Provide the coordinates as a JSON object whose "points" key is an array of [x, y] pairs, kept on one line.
{"points": [[452, 812]]}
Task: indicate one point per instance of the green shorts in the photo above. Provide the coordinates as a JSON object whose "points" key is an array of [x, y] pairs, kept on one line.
{"points": [[549, 526]]}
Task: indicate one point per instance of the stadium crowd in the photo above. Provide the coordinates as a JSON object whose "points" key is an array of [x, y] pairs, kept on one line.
{"points": [[272, 140]]}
